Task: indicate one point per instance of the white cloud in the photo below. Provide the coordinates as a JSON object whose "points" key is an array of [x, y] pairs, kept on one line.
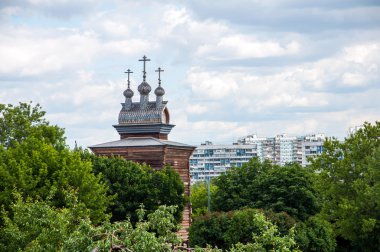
{"points": [[34, 52], [212, 85], [225, 79], [197, 109], [244, 46]]}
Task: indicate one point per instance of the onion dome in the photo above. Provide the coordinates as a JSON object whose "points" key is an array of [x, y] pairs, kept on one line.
{"points": [[144, 88], [159, 91], [128, 93]]}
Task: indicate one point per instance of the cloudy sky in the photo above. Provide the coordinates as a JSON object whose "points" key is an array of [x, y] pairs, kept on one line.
{"points": [[232, 67]]}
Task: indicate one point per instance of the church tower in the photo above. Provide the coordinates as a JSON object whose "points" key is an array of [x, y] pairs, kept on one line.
{"points": [[144, 127]]}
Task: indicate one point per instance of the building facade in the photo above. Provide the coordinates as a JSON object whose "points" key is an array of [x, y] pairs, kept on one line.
{"points": [[209, 161]]}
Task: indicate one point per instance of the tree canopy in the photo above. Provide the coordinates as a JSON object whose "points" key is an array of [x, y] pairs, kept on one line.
{"points": [[198, 197], [349, 180], [26, 121], [135, 184], [240, 230], [34, 159], [263, 185], [38, 226], [53, 198]]}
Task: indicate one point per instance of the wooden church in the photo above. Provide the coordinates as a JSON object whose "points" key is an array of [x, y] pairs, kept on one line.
{"points": [[144, 127]]}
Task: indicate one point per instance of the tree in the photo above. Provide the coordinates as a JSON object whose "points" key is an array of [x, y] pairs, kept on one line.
{"points": [[268, 238], [349, 181], [263, 185], [315, 234], [34, 168], [18, 123], [135, 184], [198, 197], [37, 226], [34, 159], [34, 225], [240, 230]]}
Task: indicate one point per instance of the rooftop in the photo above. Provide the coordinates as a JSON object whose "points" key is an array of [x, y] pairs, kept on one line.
{"points": [[140, 142]]}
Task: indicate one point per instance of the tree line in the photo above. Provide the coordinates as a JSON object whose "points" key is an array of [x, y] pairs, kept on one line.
{"points": [[332, 205], [54, 198]]}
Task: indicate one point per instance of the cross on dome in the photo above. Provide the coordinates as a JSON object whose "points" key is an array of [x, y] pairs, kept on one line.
{"points": [[159, 70], [144, 59], [128, 72], [159, 90]]}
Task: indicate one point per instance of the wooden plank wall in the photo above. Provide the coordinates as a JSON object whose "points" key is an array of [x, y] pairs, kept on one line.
{"points": [[157, 157]]}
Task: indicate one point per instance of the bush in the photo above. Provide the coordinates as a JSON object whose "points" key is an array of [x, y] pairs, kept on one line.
{"points": [[134, 184], [263, 185], [238, 230]]}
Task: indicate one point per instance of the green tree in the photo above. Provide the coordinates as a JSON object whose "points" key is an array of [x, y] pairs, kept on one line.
{"points": [[240, 230], [37, 226], [262, 185], [135, 184], [34, 167], [34, 159], [315, 234], [267, 238], [24, 121], [349, 180], [34, 225], [198, 197]]}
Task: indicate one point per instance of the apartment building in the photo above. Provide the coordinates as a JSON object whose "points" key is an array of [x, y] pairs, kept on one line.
{"points": [[209, 160]]}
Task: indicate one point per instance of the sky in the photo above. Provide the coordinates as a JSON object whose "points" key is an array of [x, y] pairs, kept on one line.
{"points": [[231, 67]]}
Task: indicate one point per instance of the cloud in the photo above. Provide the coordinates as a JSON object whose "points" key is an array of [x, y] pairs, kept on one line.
{"points": [[240, 47], [33, 52], [63, 9], [231, 68], [294, 16], [307, 93], [29, 52]]}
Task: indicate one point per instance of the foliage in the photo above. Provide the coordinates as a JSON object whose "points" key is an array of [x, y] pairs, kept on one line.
{"points": [[33, 160], [34, 167], [349, 180], [135, 184], [155, 234], [263, 185], [282, 220], [233, 229], [37, 226], [198, 197], [268, 239], [18, 123], [315, 234]]}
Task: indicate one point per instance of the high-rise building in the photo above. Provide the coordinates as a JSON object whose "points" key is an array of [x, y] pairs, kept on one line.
{"points": [[209, 160], [312, 146]]}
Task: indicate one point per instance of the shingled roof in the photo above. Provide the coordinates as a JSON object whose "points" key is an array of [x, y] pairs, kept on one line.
{"points": [[136, 115], [140, 142]]}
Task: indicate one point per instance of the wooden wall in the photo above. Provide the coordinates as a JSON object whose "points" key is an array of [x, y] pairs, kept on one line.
{"points": [[157, 157]]}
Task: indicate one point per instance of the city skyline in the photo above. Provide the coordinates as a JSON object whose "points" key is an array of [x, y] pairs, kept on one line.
{"points": [[231, 68]]}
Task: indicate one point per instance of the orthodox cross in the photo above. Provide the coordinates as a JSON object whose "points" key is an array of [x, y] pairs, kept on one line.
{"points": [[128, 72], [159, 70], [145, 59]]}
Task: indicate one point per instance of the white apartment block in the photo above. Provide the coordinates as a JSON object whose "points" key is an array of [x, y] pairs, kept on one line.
{"points": [[208, 160]]}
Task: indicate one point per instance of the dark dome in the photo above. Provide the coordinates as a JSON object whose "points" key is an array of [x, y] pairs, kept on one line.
{"points": [[128, 93], [144, 88], [159, 91]]}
